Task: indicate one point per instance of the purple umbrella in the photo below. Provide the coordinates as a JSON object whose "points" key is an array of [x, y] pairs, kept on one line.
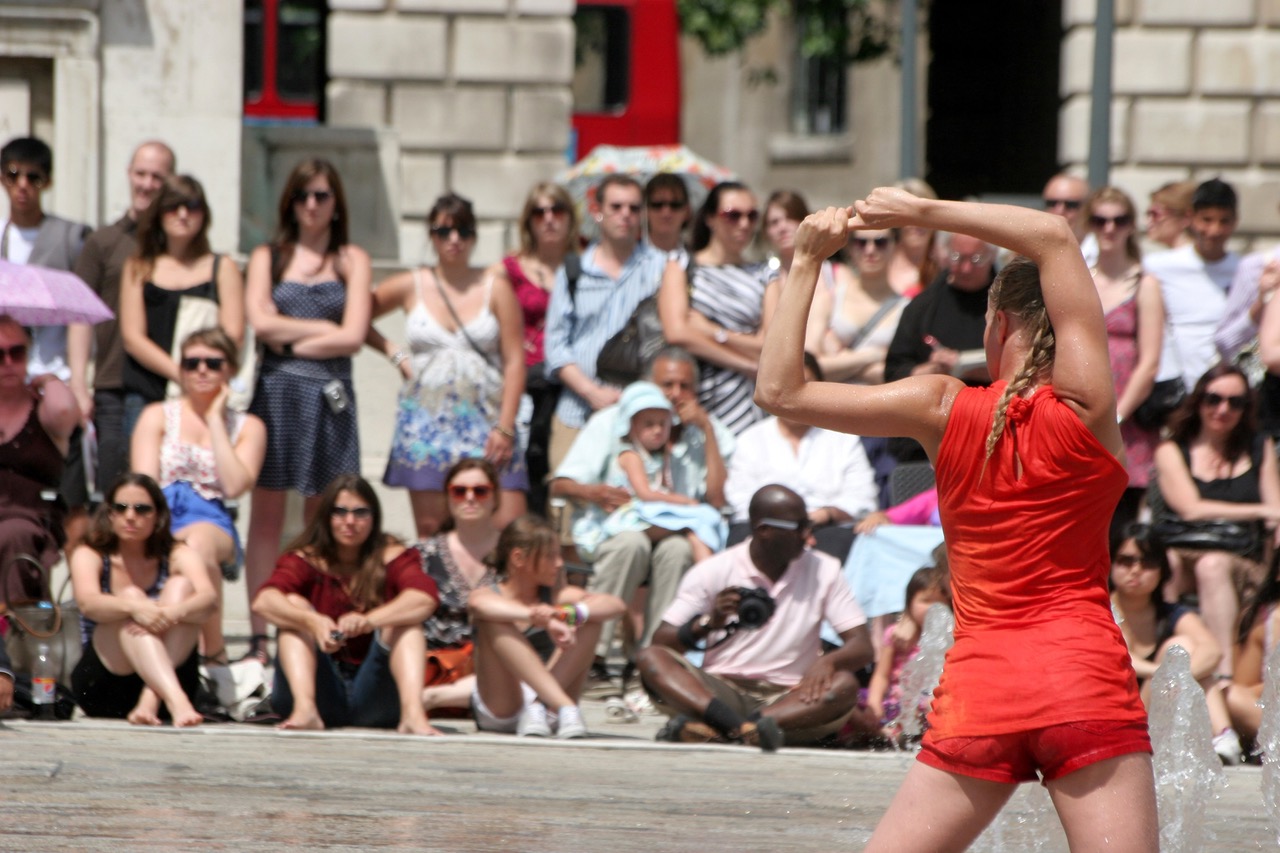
{"points": [[39, 296]]}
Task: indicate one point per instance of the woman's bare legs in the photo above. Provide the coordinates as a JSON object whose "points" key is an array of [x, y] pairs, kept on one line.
{"points": [[126, 648], [1219, 606], [511, 505], [266, 523], [428, 512], [408, 667], [571, 663], [455, 695], [935, 811], [296, 656], [504, 658], [215, 547], [1109, 806]]}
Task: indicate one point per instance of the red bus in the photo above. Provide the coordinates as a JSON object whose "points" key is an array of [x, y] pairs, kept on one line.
{"points": [[626, 83]]}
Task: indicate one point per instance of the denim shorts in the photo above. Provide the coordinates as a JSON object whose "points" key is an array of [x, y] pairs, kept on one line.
{"points": [[367, 697]]}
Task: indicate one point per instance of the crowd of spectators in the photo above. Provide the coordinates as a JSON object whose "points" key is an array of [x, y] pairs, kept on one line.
{"points": [[527, 454]]}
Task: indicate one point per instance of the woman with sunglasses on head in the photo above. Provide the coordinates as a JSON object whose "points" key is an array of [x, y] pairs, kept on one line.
{"points": [[37, 418], [349, 602], [308, 301], [548, 235], [173, 264], [467, 370], [142, 597], [455, 558], [1134, 313], [1028, 473], [203, 454], [715, 307], [1215, 466], [535, 637], [1139, 572]]}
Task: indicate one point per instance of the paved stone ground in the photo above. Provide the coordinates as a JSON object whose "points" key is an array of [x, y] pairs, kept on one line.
{"points": [[99, 786]]}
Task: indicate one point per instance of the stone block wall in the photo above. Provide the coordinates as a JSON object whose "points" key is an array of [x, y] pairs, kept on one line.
{"points": [[476, 91], [1194, 85]]}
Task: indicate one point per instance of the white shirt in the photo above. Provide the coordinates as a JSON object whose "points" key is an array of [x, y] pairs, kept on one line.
{"points": [[1195, 301], [827, 469], [48, 343]]}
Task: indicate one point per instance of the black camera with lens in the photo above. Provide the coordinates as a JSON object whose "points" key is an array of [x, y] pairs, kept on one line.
{"points": [[755, 607]]}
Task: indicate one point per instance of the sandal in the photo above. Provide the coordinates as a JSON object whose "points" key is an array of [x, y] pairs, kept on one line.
{"points": [[258, 649]]}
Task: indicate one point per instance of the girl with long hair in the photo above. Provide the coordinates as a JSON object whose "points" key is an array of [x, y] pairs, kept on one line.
{"points": [[349, 602], [308, 300], [1028, 473], [142, 597]]}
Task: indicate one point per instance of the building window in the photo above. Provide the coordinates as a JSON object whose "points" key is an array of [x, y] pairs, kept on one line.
{"points": [[819, 90], [601, 83], [284, 53]]}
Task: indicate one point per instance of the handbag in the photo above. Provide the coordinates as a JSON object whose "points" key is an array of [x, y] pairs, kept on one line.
{"points": [[449, 664], [627, 356], [1166, 396], [1209, 535]]}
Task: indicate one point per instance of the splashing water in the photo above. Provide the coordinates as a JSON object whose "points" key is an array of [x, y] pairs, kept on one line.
{"points": [[1027, 824], [1269, 738], [921, 673], [1188, 771]]}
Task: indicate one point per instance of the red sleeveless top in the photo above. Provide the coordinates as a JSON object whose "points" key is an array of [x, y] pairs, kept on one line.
{"points": [[1036, 643]]}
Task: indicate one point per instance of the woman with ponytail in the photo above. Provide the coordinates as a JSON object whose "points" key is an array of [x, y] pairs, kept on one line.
{"points": [[1029, 470]]}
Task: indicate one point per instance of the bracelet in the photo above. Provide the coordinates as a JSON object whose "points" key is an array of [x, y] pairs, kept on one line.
{"points": [[399, 357], [582, 612], [506, 432], [568, 614]]}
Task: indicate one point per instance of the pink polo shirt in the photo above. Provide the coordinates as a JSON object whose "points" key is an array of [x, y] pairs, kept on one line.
{"points": [[810, 590]]}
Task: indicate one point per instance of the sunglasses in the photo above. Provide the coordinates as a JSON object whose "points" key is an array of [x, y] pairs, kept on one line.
{"points": [[35, 179], [557, 210], [668, 205], [1124, 220], [321, 196], [736, 216], [141, 509], [193, 362], [976, 260], [1129, 560], [442, 232], [1235, 402], [1066, 203], [784, 524], [461, 493], [14, 354], [865, 243], [618, 207], [359, 513], [193, 205]]}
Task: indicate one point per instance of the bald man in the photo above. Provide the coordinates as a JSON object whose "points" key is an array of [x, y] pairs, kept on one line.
{"points": [[1065, 195], [100, 264]]}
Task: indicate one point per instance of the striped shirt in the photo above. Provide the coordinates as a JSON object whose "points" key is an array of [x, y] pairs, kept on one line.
{"points": [[577, 329], [731, 296]]}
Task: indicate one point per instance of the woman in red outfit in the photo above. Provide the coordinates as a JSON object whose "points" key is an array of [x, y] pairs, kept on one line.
{"points": [[1029, 470]]}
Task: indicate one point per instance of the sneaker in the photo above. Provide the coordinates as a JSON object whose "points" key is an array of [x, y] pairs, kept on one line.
{"points": [[638, 702], [763, 733], [616, 711], [533, 721], [1227, 745], [570, 723]]}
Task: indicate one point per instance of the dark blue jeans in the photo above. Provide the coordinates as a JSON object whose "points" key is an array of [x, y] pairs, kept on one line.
{"points": [[367, 698]]}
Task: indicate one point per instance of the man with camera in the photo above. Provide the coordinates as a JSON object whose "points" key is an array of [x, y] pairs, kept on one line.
{"points": [[757, 609]]}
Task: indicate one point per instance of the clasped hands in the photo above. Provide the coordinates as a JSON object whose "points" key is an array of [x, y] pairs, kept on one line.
{"points": [[826, 232]]}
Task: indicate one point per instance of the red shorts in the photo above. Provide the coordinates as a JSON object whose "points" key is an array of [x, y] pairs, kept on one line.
{"points": [[1054, 751]]}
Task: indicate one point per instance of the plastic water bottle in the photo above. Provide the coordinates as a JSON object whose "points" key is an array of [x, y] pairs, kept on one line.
{"points": [[44, 683]]}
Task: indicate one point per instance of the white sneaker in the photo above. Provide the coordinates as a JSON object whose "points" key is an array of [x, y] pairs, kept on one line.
{"points": [[570, 724], [533, 721], [1227, 745]]}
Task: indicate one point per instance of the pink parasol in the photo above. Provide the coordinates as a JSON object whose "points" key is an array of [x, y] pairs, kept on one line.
{"points": [[39, 296]]}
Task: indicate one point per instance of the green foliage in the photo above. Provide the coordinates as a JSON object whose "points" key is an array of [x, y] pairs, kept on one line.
{"points": [[849, 30]]}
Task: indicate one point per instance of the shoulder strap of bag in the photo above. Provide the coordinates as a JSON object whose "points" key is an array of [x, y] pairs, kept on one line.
{"points": [[877, 318], [572, 272]]}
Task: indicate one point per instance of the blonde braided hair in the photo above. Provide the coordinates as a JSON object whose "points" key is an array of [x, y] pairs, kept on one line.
{"points": [[1016, 291]]}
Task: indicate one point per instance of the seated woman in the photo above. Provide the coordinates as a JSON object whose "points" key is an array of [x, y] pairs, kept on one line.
{"points": [[1139, 571], [535, 637], [349, 602], [455, 559], [1256, 642], [203, 454], [142, 598], [1216, 466]]}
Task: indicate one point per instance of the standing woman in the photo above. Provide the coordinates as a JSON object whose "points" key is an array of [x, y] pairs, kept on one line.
{"points": [[1134, 313], [1028, 475], [349, 601], [173, 264], [308, 301], [203, 454], [467, 348], [142, 598], [548, 229], [716, 311]]}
